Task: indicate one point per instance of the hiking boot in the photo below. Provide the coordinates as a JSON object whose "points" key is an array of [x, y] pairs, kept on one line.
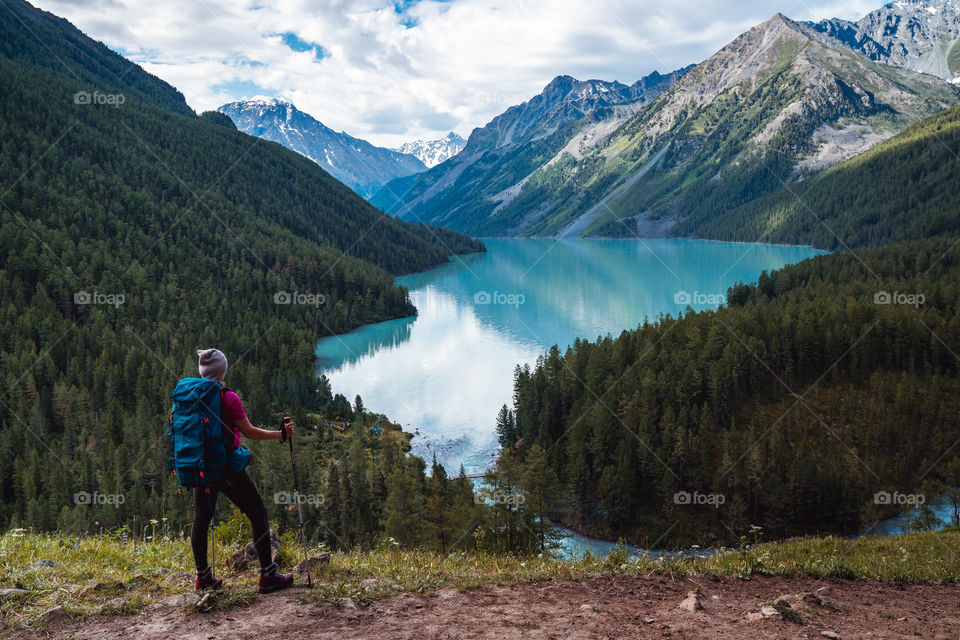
{"points": [[205, 580], [272, 580]]}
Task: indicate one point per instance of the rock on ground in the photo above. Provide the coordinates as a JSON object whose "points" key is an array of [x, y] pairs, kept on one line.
{"points": [[308, 565], [692, 602], [248, 554]]}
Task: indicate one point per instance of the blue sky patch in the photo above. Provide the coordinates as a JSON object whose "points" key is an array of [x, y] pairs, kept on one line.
{"points": [[298, 44]]}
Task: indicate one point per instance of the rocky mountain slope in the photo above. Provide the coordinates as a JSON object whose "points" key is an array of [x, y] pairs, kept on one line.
{"points": [[922, 35], [779, 102], [760, 113], [903, 188], [433, 152], [499, 157], [360, 165]]}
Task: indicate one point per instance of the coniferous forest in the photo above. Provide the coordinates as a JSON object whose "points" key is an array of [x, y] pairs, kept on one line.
{"points": [[133, 231], [823, 384]]}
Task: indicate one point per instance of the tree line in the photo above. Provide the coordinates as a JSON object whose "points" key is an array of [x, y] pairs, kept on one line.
{"points": [[814, 390]]}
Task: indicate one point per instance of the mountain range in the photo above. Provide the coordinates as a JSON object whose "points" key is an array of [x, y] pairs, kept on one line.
{"points": [[499, 158], [358, 164], [433, 152], [922, 35], [782, 101]]}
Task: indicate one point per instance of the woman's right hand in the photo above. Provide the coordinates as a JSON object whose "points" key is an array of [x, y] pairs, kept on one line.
{"points": [[288, 427]]}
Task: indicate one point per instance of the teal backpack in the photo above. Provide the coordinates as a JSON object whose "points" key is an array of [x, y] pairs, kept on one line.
{"points": [[201, 445]]}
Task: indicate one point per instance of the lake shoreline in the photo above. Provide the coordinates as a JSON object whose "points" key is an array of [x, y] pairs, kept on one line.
{"points": [[446, 370]]}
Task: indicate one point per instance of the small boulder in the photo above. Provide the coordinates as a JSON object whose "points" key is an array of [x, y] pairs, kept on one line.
{"points": [[348, 603], [308, 565], [833, 635], [10, 593], [770, 612], [180, 600], [54, 615], [248, 554], [586, 610], [692, 603], [178, 577], [369, 583], [117, 603]]}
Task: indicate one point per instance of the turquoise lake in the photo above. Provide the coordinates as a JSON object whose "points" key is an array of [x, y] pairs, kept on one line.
{"points": [[444, 373]]}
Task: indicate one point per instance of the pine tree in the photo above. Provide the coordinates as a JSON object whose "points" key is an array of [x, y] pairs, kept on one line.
{"points": [[506, 428], [404, 509], [541, 487]]}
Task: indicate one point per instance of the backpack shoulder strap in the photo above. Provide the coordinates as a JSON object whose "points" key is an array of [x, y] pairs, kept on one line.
{"points": [[228, 429]]}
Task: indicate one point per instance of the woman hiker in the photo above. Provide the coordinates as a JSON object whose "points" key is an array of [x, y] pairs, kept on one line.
{"points": [[237, 487]]}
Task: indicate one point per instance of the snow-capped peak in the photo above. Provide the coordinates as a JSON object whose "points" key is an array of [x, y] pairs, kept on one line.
{"points": [[267, 101], [433, 152]]}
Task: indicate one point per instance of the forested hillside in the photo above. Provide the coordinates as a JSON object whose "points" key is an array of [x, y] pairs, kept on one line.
{"points": [[904, 188], [132, 234], [35, 37], [826, 382]]}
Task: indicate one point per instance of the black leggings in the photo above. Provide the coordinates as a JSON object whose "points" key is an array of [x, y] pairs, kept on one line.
{"points": [[242, 492]]}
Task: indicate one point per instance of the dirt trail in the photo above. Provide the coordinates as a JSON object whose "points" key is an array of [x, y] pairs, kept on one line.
{"points": [[596, 608]]}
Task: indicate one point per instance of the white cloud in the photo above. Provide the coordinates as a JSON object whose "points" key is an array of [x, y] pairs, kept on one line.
{"points": [[390, 77]]}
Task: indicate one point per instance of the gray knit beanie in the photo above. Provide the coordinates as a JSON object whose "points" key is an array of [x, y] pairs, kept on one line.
{"points": [[213, 364]]}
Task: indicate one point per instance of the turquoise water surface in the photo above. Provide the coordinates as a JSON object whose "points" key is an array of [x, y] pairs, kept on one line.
{"points": [[444, 373]]}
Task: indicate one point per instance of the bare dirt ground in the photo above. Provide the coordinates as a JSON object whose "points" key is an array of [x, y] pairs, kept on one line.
{"points": [[596, 608]]}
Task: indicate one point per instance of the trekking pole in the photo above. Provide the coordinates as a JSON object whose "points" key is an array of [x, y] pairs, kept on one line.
{"points": [[296, 495], [213, 539]]}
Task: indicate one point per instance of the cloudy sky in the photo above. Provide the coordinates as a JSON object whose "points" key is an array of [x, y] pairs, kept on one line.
{"points": [[391, 72]]}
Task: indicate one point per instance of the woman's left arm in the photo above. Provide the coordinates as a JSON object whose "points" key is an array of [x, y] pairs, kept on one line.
{"points": [[255, 433]]}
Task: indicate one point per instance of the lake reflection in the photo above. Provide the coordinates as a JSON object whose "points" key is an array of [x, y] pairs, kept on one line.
{"points": [[446, 372]]}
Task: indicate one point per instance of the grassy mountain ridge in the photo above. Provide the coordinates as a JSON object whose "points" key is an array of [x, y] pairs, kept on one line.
{"points": [[903, 188]]}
